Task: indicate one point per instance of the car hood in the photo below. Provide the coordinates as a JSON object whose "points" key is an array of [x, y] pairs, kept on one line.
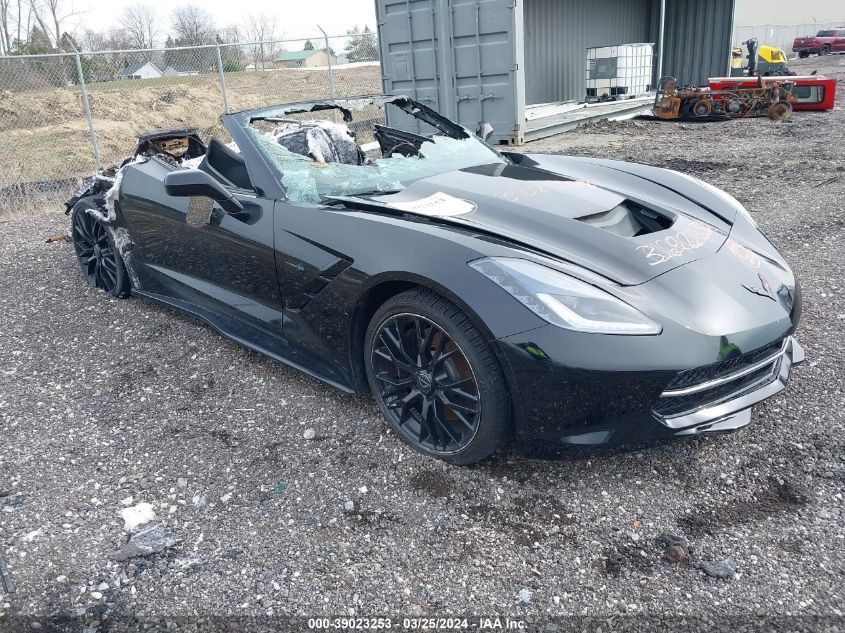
{"points": [[544, 210]]}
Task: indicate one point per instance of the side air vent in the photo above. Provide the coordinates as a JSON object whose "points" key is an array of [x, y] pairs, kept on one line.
{"points": [[313, 287], [629, 219]]}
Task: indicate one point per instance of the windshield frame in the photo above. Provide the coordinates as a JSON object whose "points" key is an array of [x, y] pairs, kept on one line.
{"points": [[261, 167]]}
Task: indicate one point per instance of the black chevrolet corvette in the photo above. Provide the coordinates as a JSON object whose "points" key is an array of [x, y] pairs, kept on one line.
{"points": [[480, 296]]}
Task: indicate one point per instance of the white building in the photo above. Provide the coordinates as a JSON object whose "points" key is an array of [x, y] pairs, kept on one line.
{"points": [[139, 70]]}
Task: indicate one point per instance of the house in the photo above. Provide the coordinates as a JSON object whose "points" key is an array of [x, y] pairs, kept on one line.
{"points": [[139, 70], [178, 70], [305, 59]]}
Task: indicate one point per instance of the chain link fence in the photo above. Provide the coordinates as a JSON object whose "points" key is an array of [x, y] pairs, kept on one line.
{"points": [[63, 114], [780, 35]]}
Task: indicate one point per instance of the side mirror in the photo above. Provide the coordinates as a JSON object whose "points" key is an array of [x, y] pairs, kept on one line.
{"points": [[195, 182], [484, 130]]}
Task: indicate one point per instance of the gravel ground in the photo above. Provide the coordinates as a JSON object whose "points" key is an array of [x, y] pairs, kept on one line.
{"points": [[105, 404]]}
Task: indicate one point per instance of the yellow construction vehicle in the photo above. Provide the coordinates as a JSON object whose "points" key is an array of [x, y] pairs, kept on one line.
{"points": [[762, 59]]}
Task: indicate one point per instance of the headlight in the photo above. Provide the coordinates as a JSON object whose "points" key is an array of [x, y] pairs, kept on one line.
{"points": [[724, 195], [563, 300]]}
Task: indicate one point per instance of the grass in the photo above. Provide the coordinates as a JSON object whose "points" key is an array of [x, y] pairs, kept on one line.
{"points": [[44, 135], [23, 201]]}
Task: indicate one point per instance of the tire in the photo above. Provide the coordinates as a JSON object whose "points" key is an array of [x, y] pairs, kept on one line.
{"points": [[780, 111], [436, 379], [825, 50], [803, 54], [703, 107], [98, 256]]}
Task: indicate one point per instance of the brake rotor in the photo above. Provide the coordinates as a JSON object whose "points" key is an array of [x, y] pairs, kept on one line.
{"points": [[456, 367]]}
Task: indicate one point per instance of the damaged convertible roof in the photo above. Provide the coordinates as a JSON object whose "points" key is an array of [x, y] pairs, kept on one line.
{"points": [[353, 104]]}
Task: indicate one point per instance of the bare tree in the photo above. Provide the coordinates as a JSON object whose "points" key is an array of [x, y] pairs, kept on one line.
{"points": [[54, 17], [228, 34], [259, 32], [193, 25], [19, 19], [140, 24], [114, 39], [6, 9]]}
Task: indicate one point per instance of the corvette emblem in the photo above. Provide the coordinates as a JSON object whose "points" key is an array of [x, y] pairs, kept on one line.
{"points": [[764, 291]]}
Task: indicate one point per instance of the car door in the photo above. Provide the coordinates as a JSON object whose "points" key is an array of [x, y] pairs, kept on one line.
{"points": [[839, 41], [189, 249], [307, 269]]}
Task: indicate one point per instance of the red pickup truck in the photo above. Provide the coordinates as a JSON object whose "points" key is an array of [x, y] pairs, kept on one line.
{"points": [[824, 43]]}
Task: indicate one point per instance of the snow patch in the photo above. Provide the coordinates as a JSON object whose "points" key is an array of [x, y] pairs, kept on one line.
{"points": [[137, 515]]}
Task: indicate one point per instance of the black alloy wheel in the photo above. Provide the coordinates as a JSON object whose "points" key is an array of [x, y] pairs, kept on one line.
{"points": [[99, 260], [434, 377]]}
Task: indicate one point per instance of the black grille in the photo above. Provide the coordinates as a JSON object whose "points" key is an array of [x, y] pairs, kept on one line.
{"points": [[667, 406], [698, 375]]}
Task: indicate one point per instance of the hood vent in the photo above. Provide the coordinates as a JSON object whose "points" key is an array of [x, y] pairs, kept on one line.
{"points": [[628, 219]]}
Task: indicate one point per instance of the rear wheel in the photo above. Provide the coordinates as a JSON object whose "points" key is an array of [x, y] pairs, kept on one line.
{"points": [[803, 54], [436, 379], [825, 50], [704, 107], [780, 110], [99, 260]]}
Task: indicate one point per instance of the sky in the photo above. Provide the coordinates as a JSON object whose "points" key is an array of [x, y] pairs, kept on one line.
{"points": [[297, 18], [750, 12], [294, 18]]}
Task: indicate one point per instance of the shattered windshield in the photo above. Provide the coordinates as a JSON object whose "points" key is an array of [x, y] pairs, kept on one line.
{"points": [[317, 153]]}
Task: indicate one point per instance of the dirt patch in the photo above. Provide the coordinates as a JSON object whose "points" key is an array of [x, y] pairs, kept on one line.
{"points": [[542, 509], [527, 520], [770, 500], [507, 523], [431, 482], [615, 562], [224, 436]]}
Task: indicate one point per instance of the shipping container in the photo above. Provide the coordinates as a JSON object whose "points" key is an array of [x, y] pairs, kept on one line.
{"points": [[519, 64]]}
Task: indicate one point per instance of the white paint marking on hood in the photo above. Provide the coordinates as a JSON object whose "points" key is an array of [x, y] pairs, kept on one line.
{"points": [[436, 205]]}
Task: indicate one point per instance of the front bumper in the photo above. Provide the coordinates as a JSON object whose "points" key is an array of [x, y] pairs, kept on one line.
{"points": [[559, 404], [753, 383]]}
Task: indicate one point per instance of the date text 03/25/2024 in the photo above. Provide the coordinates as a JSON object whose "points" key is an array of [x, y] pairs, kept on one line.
{"points": [[417, 624]]}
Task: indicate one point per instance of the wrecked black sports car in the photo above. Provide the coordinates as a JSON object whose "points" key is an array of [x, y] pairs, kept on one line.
{"points": [[479, 295]]}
